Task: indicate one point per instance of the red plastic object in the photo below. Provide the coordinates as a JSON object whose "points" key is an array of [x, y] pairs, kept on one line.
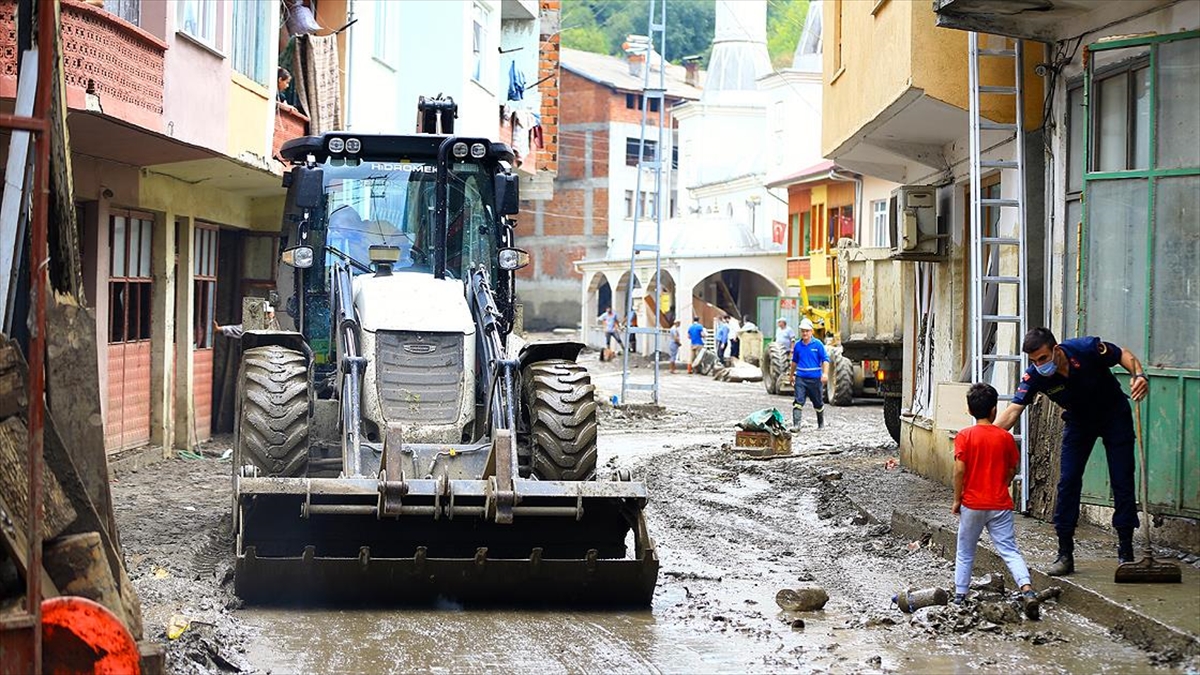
{"points": [[83, 636]]}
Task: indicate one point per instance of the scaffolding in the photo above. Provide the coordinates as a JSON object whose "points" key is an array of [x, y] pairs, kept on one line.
{"points": [[654, 44]]}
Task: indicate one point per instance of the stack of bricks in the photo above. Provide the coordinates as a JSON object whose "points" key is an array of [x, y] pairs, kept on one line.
{"points": [[548, 73]]}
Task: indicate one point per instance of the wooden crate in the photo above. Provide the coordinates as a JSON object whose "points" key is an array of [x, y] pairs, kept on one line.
{"points": [[761, 443]]}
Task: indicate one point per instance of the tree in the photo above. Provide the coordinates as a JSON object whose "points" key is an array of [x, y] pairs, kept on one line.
{"points": [[785, 23]]}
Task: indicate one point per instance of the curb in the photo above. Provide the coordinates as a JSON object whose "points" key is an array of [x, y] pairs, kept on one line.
{"points": [[1140, 629], [135, 460]]}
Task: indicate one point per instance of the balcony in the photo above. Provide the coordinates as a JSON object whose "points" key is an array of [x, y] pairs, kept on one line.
{"points": [[289, 124], [816, 269], [121, 64]]}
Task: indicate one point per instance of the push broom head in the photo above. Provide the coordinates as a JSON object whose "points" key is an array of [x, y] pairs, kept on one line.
{"points": [[1148, 571]]}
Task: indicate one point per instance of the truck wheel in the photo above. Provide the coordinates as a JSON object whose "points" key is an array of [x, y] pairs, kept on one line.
{"points": [[781, 366], [560, 401], [891, 416], [841, 386], [271, 429], [768, 376]]}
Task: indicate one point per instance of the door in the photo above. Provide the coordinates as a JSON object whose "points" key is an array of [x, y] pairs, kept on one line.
{"points": [[204, 269], [130, 288]]}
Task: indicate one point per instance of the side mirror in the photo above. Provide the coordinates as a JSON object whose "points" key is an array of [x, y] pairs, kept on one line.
{"points": [[300, 257], [308, 186], [512, 259], [508, 196]]}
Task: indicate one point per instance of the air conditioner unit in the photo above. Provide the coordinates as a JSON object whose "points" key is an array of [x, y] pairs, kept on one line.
{"points": [[918, 231]]}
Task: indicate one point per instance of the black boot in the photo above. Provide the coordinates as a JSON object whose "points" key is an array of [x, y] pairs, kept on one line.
{"points": [[820, 419], [1064, 564], [1125, 545]]}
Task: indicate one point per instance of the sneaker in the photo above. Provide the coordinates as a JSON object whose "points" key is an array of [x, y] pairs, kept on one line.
{"points": [[1125, 552], [1031, 605], [959, 598], [1063, 565]]}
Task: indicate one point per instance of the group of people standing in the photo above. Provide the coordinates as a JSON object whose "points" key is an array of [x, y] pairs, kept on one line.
{"points": [[726, 339]]}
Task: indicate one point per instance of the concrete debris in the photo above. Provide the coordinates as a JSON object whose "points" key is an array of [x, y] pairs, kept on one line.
{"points": [[993, 583], [830, 474], [738, 372], [999, 612], [802, 599]]}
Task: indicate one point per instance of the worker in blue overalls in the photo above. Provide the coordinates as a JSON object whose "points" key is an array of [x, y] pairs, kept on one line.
{"points": [[1077, 375], [810, 377]]}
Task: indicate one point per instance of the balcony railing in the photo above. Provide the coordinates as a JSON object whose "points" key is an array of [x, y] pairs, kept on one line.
{"points": [[289, 124], [104, 55], [818, 268]]}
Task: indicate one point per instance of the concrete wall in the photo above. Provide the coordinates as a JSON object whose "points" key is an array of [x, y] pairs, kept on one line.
{"points": [[375, 97]]}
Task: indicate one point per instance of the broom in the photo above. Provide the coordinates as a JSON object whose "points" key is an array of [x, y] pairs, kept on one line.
{"points": [[1147, 570]]}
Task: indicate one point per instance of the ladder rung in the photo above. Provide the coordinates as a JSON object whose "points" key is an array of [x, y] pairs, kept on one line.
{"points": [[997, 126], [996, 89], [1002, 318], [653, 93], [998, 164], [650, 165], [1001, 279], [645, 247], [1011, 358], [1002, 241], [987, 201], [646, 331], [639, 386], [997, 52]]}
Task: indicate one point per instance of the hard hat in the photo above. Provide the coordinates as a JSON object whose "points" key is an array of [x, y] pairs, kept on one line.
{"points": [[782, 320], [805, 324]]}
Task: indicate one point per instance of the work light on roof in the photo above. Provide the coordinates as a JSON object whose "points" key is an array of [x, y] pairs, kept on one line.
{"points": [[478, 150], [459, 150], [353, 145], [336, 145]]}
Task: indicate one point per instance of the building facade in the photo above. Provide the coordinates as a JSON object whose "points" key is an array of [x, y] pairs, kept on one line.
{"points": [[1109, 180], [595, 191]]}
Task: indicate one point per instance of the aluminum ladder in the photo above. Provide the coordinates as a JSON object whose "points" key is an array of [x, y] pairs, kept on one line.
{"points": [[998, 259], [656, 36]]}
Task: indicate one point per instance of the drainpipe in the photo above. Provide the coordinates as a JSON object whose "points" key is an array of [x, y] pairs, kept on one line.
{"points": [[858, 190], [349, 62]]}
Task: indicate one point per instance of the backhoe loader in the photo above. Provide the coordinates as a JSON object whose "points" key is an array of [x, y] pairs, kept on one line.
{"points": [[397, 441]]}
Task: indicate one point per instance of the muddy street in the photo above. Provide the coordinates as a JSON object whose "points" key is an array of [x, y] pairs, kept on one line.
{"points": [[730, 533]]}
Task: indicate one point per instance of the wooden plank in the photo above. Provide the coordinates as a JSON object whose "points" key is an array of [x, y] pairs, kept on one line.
{"points": [[14, 483], [73, 395], [17, 546]]}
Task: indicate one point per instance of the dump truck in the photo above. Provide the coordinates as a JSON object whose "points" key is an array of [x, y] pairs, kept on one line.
{"points": [[397, 441], [863, 331]]}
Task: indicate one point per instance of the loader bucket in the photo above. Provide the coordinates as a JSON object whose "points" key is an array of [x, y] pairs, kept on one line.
{"points": [[328, 541]]}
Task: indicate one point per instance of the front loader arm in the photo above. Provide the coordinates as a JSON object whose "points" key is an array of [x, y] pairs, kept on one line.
{"points": [[351, 365]]}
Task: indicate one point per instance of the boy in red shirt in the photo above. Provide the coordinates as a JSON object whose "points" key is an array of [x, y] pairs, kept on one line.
{"points": [[985, 462]]}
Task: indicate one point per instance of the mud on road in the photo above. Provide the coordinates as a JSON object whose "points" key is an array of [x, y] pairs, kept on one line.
{"points": [[730, 533]]}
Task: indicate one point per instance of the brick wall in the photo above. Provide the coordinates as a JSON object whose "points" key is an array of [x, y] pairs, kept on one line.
{"points": [[550, 74]]}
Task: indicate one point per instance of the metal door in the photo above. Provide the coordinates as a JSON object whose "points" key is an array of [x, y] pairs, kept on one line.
{"points": [[130, 289]]}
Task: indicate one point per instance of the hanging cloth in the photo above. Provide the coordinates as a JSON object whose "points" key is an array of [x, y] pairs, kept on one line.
{"points": [[516, 82]]}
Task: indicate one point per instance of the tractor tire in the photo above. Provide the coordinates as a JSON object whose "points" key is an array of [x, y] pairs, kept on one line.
{"points": [[768, 377], [841, 386], [891, 416], [271, 429], [560, 401], [781, 369]]}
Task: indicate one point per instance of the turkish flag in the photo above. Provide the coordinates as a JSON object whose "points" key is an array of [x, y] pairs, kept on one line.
{"points": [[778, 231]]}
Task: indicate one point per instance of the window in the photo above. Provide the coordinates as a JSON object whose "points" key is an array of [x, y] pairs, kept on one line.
{"points": [[1142, 274], [674, 156], [631, 101], [252, 31], [130, 10], [631, 151], [198, 18], [806, 232], [129, 281], [384, 45], [479, 44], [837, 37], [204, 269], [841, 224], [879, 223], [795, 238], [654, 105], [629, 203]]}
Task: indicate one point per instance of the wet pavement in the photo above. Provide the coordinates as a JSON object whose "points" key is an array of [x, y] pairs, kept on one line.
{"points": [[730, 533]]}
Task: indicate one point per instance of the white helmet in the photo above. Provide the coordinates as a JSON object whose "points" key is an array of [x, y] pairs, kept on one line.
{"points": [[805, 324]]}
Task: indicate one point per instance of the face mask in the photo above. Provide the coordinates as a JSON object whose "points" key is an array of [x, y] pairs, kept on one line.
{"points": [[1047, 369]]}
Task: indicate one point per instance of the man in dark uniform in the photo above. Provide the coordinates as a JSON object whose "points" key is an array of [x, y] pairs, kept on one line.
{"points": [[1077, 375]]}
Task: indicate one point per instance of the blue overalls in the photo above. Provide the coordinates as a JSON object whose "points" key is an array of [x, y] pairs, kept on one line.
{"points": [[1095, 407]]}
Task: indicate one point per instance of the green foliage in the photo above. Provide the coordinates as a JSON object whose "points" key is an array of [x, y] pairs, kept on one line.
{"points": [[785, 23], [600, 26]]}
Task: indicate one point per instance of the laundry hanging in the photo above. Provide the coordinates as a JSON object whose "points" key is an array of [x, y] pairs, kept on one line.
{"points": [[516, 82]]}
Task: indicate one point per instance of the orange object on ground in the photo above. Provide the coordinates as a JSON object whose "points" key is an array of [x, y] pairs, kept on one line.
{"points": [[83, 636]]}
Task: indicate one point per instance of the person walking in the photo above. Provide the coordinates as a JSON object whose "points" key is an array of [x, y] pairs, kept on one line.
{"points": [[985, 462], [632, 323], [784, 335], [810, 376], [611, 323], [696, 337], [722, 338], [1077, 375], [673, 344], [735, 330]]}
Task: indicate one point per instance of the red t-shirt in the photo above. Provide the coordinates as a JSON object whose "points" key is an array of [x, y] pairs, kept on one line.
{"points": [[989, 453]]}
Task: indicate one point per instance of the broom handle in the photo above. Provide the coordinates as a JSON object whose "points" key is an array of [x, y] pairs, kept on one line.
{"points": [[1137, 413]]}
